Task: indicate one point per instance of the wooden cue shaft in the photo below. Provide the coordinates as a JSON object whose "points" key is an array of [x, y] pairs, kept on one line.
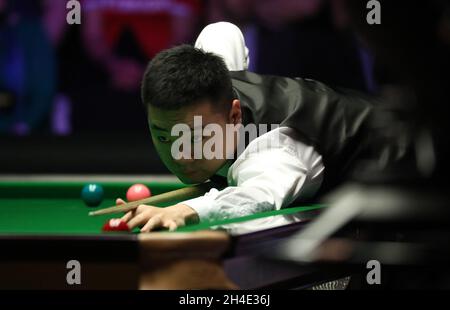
{"points": [[179, 194]]}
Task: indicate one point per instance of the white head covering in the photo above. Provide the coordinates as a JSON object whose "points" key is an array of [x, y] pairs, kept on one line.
{"points": [[226, 40]]}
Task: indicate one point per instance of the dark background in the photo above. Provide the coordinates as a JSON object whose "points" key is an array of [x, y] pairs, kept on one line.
{"points": [[73, 73]]}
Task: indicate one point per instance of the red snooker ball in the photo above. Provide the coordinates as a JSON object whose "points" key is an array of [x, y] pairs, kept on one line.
{"points": [[138, 192], [115, 225]]}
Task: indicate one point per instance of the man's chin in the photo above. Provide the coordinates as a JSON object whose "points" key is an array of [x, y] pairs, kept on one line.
{"points": [[192, 180]]}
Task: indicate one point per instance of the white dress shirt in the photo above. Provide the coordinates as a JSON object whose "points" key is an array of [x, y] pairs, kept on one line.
{"points": [[266, 176]]}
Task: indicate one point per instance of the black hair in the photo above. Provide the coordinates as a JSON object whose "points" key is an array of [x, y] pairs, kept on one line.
{"points": [[184, 75]]}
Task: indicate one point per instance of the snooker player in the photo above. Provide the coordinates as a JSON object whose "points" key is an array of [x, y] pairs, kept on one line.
{"points": [[322, 132]]}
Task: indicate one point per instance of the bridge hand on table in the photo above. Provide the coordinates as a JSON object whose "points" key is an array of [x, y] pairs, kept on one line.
{"points": [[152, 218]]}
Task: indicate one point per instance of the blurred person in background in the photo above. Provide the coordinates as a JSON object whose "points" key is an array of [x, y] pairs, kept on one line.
{"points": [[412, 49], [122, 35], [27, 68], [307, 38], [103, 59]]}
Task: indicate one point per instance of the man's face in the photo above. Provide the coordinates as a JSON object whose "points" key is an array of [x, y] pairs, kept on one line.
{"points": [[188, 170]]}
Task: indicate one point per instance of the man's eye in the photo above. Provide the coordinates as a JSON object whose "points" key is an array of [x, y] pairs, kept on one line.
{"points": [[162, 139]]}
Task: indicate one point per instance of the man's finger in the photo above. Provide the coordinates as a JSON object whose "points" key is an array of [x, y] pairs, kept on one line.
{"points": [[153, 223], [138, 220], [128, 216], [120, 201], [172, 225], [135, 212], [142, 208]]}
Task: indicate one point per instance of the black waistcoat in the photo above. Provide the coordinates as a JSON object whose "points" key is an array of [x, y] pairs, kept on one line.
{"points": [[334, 121]]}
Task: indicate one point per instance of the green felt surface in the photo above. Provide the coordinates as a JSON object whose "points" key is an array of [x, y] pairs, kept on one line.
{"points": [[56, 208]]}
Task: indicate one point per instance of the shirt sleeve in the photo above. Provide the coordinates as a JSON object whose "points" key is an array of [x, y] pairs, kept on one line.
{"points": [[266, 176]]}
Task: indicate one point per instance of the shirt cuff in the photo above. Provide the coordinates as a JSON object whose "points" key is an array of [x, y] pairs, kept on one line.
{"points": [[203, 205]]}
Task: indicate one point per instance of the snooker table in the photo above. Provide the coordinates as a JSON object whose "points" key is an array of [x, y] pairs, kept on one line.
{"points": [[44, 225]]}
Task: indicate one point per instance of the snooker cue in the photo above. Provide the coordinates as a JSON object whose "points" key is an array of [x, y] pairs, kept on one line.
{"points": [[179, 194]]}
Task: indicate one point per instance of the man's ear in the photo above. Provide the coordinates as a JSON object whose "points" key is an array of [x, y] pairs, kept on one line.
{"points": [[235, 115]]}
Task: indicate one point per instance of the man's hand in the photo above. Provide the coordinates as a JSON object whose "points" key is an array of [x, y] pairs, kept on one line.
{"points": [[152, 218]]}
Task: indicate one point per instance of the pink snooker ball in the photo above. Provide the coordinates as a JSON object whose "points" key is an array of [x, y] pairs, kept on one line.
{"points": [[138, 192]]}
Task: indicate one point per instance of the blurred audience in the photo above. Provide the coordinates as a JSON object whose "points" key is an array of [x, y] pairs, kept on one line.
{"points": [[412, 49], [122, 35], [103, 60], [99, 64], [27, 68], [307, 38]]}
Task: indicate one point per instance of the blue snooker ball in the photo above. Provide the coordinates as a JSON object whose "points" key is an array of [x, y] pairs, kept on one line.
{"points": [[92, 194]]}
